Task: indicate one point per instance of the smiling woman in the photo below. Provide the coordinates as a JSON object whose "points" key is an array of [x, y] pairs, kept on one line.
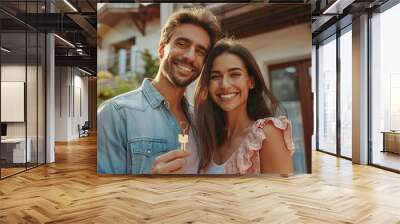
{"points": [[230, 82], [235, 116]]}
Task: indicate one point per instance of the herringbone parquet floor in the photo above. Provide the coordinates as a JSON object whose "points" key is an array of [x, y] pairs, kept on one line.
{"points": [[70, 191]]}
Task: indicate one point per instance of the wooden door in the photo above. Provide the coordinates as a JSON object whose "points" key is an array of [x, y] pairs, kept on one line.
{"points": [[291, 84]]}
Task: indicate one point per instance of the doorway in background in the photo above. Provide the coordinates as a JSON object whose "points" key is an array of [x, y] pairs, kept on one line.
{"points": [[290, 82]]}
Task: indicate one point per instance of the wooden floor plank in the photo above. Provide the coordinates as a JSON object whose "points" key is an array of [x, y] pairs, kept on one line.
{"points": [[70, 191]]}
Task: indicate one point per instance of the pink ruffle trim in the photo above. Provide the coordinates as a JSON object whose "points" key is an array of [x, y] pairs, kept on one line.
{"points": [[247, 158]]}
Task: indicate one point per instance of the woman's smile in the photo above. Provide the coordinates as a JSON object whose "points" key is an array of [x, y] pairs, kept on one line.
{"points": [[228, 96], [230, 82]]}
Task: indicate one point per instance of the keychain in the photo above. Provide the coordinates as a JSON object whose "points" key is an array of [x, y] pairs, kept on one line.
{"points": [[183, 137]]}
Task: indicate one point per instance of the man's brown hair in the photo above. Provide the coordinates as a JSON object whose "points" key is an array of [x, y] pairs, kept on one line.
{"points": [[196, 16]]}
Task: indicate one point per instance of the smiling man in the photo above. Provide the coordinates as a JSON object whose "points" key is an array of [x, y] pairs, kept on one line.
{"points": [[138, 131]]}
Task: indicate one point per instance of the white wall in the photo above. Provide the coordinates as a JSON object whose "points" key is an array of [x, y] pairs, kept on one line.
{"points": [[14, 73], [102, 58], [61, 103], [80, 83], [165, 11], [33, 127], [289, 44], [17, 73], [68, 83]]}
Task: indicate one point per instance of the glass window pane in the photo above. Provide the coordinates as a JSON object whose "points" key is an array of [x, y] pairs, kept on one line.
{"points": [[385, 84], [346, 94], [327, 96], [31, 97], [23, 84], [14, 149]]}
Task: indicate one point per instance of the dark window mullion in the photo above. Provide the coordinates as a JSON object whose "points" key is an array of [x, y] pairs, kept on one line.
{"points": [[317, 96], [369, 98], [26, 87], [37, 91], [338, 73], [46, 3]]}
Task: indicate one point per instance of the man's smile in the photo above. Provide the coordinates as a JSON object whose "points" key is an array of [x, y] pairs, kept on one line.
{"points": [[183, 67]]}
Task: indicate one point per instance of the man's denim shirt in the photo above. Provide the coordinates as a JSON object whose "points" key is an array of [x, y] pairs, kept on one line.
{"points": [[136, 127]]}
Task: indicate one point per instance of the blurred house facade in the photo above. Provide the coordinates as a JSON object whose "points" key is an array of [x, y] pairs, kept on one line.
{"points": [[125, 30]]}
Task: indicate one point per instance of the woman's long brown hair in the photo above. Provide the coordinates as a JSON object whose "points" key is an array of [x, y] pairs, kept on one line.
{"points": [[210, 119]]}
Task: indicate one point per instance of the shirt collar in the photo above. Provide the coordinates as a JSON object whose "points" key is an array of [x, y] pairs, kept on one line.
{"points": [[152, 95], [155, 98]]}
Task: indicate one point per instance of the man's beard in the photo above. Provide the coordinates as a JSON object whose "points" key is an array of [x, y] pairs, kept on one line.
{"points": [[173, 78]]}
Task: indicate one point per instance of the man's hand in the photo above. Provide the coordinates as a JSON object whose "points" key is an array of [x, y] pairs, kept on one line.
{"points": [[173, 162]]}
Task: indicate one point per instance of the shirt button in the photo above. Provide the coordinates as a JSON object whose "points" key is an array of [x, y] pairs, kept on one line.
{"points": [[166, 104]]}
